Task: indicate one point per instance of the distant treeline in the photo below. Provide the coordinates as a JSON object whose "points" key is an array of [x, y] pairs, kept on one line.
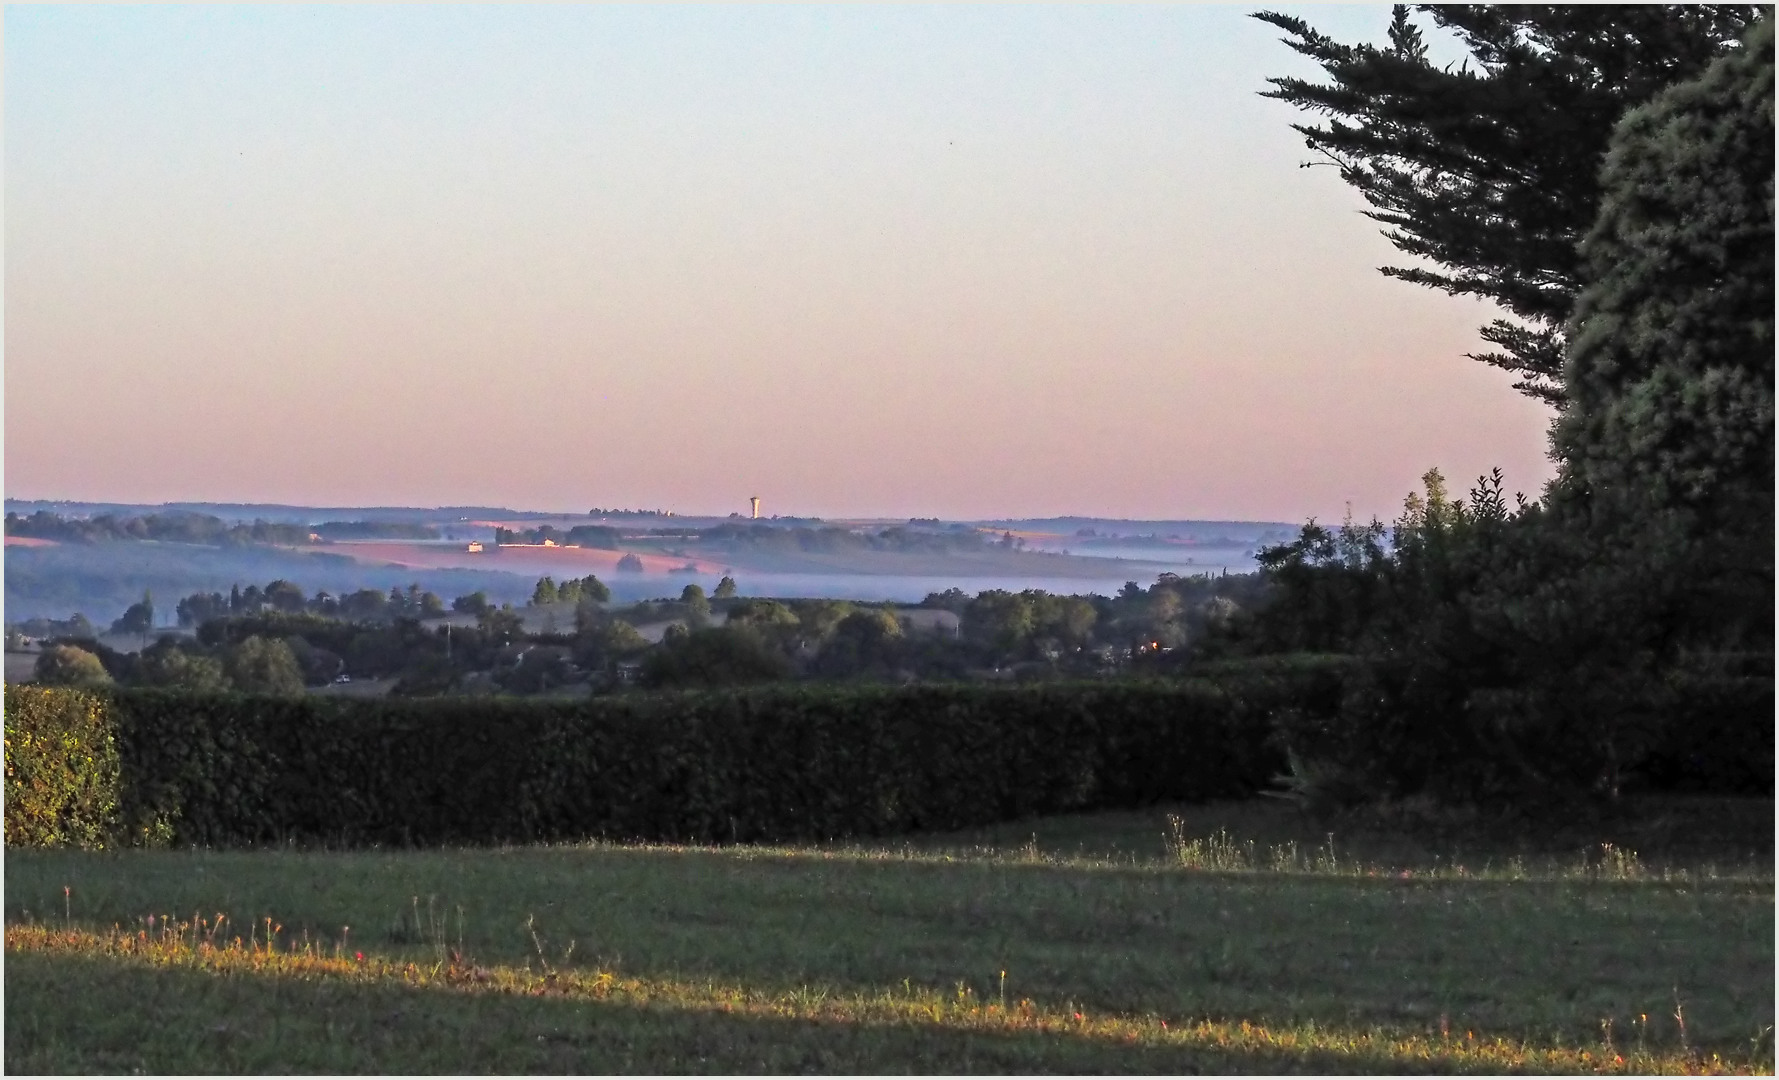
{"points": [[591, 536], [834, 539], [715, 642], [178, 528], [364, 605], [774, 537], [102, 580], [376, 530]]}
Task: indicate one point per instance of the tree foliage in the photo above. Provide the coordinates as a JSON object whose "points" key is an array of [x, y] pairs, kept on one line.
{"points": [[1670, 437], [174, 527], [474, 604], [70, 665], [138, 618], [1488, 175], [865, 642], [719, 657], [165, 664], [62, 769], [260, 665]]}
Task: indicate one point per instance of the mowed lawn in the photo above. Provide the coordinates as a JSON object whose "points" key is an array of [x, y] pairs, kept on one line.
{"points": [[1086, 948]]}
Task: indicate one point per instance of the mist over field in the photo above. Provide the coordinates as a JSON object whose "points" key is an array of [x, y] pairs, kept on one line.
{"points": [[101, 580], [1032, 577], [53, 579]]}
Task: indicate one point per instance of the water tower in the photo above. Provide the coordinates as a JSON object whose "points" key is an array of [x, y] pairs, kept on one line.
{"points": [[756, 501]]}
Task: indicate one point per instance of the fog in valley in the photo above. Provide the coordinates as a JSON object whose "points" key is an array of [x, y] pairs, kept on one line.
{"points": [[98, 559]]}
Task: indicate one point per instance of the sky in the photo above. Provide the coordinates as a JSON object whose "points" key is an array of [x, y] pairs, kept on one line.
{"points": [[955, 262]]}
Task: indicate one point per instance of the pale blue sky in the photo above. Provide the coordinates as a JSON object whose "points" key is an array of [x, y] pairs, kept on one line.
{"points": [[899, 261]]}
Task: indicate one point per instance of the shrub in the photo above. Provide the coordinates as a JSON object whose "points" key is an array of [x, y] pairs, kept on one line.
{"points": [[61, 769], [70, 665]]}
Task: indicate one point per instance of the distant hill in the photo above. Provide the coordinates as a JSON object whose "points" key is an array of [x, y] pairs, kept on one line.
{"points": [[279, 512], [101, 580], [1184, 528], [105, 570]]}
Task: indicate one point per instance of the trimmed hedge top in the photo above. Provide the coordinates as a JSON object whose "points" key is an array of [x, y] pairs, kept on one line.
{"points": [[771, 764]]}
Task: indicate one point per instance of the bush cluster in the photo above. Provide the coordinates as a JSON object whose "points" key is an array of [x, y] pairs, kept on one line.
{"points": [[770, 764], [62, 768]]}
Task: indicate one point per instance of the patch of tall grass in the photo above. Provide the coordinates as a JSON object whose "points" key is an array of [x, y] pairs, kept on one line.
{"points": [[212, 946], [1220, 852]]}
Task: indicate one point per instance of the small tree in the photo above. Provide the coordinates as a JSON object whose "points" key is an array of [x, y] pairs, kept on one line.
{"points": [[770, 617], [816, 619], [199, 608], [285, 596], [264, 666], [138, 619], [503, 625], [697, 606], [365, 605], [545, 593], [166, 664], [999, 619], [713, 658], [863, 642], [725, 589], [70, 665]]}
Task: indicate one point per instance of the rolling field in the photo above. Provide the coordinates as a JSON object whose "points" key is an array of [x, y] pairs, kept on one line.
{"points": [[558, 561], [575, 561], [1119, 942]]}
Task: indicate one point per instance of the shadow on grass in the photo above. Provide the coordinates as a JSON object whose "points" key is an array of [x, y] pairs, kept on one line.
{"points": [[83, 1014], [1531, 960]]}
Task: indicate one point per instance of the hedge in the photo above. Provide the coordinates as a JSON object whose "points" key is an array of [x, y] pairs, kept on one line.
{"points": [[770, 764]]}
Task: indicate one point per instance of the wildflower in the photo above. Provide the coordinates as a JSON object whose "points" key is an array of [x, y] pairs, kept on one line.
{"points": [[360, 957]]}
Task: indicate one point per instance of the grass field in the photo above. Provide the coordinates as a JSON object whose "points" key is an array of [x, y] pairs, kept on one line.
{"points": [[1239, 938]]}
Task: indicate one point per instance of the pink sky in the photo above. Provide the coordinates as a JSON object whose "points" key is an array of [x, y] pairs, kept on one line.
{"points": [[916, 262]]}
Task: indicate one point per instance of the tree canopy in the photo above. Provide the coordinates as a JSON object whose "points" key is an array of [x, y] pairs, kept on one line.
{"points": [[137, 619], [1489, 175], [1671, 343], [260, 665], [1667, 449], [70, 665]]}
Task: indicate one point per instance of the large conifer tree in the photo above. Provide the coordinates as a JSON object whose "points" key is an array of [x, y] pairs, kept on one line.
{"points": [[1489, 174], [1669, 437]]}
